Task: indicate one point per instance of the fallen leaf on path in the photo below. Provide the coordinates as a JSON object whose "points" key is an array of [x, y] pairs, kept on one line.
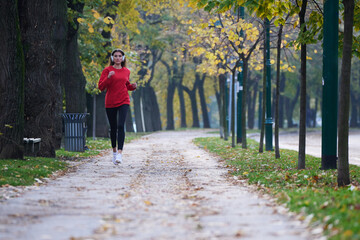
{"points": [[148, 203]]}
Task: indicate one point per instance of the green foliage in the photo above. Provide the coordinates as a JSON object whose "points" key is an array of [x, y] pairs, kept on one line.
{"points": [[24, 172], [311, 191]]}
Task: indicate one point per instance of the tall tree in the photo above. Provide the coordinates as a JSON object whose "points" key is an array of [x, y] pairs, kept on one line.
{"points": [[192, 96], [203, 105], [43, 30], [181, 96], [302, 127], [12, 69], [74, 81], [344, 99]]}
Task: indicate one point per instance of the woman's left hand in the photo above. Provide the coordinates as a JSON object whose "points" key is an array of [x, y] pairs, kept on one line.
{"points": [[134, 85]]}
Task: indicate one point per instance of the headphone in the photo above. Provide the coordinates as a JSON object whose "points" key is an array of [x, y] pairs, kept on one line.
{"points": [[117, 50]]}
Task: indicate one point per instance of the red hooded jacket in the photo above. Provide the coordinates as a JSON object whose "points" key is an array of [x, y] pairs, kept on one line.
{"points": [[117, 86]]}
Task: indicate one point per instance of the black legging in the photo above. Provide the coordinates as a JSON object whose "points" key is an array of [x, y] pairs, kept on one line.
{"points": [[117, 126]]}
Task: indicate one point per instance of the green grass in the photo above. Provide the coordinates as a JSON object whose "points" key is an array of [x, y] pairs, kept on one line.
{"points": [[312, 192], [24, 172]]}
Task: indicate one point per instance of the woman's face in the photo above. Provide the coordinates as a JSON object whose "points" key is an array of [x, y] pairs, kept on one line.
{"points": [[117, 57]]}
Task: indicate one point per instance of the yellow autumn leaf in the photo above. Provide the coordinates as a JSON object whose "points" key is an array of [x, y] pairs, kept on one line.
{"points": [[308, 58], [91, 29], [272, 61], [245, 173], [109, 20], [96, 14], [8, 126], [348, 233], [80, 20], [148, 203]]}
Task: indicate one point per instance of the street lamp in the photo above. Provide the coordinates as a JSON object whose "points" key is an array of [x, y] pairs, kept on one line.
{"points": [[330, 85], [268, 119]]}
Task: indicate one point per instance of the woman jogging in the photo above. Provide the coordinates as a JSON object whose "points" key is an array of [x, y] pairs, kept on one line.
{"points": [[115, 79]]}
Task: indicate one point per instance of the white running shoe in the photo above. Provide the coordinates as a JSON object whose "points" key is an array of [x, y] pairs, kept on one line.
{"points": [[114, 158], [118, 158]]}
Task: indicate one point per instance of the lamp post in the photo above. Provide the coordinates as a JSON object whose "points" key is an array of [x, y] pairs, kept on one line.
{"points": [[239, 105], [330, 85], [240, 92], [268, 119]]}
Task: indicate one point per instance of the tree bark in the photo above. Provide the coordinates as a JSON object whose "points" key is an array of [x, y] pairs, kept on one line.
{"points": [[172, 83], [244, 102], [74, 81], [43, 30], [290, 106], [181, 97], [302, 127], [262, 124], [146, 110], [252, 102], [129, 122], [12, 74], [222, 108], [204, 110], [277, 95], [192, 96], [343, 177], [281, 101], [170, 105]]}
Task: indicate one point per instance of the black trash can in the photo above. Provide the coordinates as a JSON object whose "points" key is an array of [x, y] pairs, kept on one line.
{"points": [[75, 131]]}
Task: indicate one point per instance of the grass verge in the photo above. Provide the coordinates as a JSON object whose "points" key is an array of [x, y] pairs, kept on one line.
{"points": [[25, 172], [312, 192]]}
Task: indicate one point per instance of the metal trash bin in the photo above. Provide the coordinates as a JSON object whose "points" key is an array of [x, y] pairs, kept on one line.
{"points": [[75, 131]]}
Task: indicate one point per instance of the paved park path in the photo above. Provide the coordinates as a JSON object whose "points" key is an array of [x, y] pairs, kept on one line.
{"points": [[167, 188], [290, 140]]}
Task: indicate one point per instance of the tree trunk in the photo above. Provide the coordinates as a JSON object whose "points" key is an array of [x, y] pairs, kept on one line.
{"points": [[74, 81], [129, 122], [12, 76], [151, 109], [277, 95], [139, 122], [344, 101], [262, 124], [204, 110], [194, 109], [251, 105], [181, 98], [146, 107], [302, 124], [244, 102], [281, 101], [43, 27], [232, 94], [170, 104], [222, 110], [290, 106]]}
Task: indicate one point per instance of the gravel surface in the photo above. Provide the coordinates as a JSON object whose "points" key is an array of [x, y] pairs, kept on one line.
{"points": [[166, 188]]}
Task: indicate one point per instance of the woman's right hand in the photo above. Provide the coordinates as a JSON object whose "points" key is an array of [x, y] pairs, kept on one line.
{"points": [[110, 74]]}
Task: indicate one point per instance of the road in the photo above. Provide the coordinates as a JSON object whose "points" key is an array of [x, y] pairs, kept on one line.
{"points": [[313, 143]]}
